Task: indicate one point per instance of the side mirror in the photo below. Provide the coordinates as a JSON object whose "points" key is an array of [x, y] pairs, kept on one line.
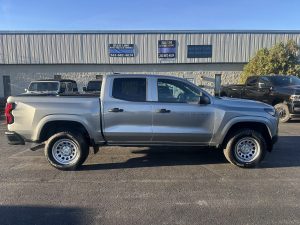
{"points": [[62, 90], [204, 100], [261, 85], [84, 89]]}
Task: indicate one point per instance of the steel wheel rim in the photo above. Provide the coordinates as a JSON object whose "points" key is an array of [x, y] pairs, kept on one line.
{"points": [[247, 149], [65, 151]]}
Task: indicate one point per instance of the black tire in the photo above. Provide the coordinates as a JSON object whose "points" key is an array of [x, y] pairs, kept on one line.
{"points": [[74, 144], [253, 140], [283, 112]]}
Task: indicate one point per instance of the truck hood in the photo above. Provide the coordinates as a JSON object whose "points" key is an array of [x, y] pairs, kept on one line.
{"points": [[240, 103], [289, 90]]}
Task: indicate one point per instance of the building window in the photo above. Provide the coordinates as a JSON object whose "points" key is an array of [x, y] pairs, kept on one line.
{"points": [[199, 51]]}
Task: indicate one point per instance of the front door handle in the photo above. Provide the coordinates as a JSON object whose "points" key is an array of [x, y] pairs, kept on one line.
{"points": [[163, 111], [116, 110]]}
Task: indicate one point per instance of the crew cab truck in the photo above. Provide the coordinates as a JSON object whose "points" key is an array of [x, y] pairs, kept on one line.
{"points": [[142, 110], [280, 91]]}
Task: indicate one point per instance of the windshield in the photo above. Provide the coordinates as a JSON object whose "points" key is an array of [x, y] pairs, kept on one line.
{"points": [[94, 85], [284, 80], [43, 86]]}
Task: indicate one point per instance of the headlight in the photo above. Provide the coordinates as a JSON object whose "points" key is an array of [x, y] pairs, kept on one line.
{"points": [[295, 97], [271, 111]]}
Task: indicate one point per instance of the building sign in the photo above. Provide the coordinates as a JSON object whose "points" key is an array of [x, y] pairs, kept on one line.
{"points": [[121, 50], [199, 51], [166, 49]]}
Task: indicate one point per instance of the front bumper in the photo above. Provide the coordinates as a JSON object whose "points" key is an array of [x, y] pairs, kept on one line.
{"points": [[14, 138], [274, 139], [294, 109]]}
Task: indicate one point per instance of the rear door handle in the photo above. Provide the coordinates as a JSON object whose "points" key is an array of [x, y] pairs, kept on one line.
{"points": [[163, 111], [116, 110]]}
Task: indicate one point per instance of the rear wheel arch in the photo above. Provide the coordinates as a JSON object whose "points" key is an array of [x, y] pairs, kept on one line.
{"points": [[245, 148], [52, 127], [66, 150]]}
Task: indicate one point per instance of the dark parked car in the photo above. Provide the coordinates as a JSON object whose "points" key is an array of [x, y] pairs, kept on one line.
{"points": [[280, 91], [52, 86], [93, 86]]}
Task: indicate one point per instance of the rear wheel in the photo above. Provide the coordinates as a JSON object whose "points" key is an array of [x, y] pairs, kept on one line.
{"points": [[245, 148], [283, 112], [66, 150]]}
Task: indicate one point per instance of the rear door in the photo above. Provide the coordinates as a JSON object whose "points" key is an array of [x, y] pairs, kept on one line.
{"points": [[177, 115], [127, 115]]}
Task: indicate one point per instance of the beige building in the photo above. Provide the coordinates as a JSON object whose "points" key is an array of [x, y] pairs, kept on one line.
{"points": [[82, 55]]}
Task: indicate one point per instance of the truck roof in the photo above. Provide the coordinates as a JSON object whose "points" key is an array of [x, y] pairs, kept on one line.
{"points": [[139, 75], [58, 80]]}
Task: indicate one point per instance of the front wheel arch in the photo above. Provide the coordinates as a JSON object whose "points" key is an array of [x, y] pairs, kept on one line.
{"points": [[245, 148], [257, 126]]}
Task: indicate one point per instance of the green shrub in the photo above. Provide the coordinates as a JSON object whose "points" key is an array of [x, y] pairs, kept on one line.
{"points": [[280, 59]]}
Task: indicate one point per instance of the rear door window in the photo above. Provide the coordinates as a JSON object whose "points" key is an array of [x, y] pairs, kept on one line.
{"points": [[129, 89]]}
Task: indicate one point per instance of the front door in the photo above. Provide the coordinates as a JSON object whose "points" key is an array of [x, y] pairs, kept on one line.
{"points": [[250, 91], [127, 114], [177, 115]]}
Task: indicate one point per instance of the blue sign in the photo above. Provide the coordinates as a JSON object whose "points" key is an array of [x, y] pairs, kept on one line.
{"points": [[121, 50], [166, 49]]}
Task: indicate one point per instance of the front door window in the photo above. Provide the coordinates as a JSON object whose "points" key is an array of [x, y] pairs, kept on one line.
{"points": [[173, 91]]}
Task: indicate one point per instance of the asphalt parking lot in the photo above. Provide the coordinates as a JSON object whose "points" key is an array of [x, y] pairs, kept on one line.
{"points": [[152, 186]]}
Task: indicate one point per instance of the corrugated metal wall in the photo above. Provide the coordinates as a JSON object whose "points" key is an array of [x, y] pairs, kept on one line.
{"points": [[92, 48]]}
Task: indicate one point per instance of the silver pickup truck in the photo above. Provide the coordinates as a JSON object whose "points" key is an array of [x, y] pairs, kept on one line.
{"points": [[142, 110]]}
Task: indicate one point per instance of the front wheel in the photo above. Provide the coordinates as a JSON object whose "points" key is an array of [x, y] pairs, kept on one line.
{"points": [[283, 112], [245, 148], [66, 151]]}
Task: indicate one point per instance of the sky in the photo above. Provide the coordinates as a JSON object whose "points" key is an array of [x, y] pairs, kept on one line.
{"points": [[150, 15]]}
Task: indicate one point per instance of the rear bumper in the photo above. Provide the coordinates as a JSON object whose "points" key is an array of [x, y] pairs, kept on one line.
{"points": [[14, 138]]}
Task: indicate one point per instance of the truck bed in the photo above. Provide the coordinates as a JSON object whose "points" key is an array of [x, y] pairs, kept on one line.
{"points": [[32, 112]]}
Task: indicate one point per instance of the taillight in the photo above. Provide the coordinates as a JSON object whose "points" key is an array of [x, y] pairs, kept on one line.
{"points": [[8, 109]]}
